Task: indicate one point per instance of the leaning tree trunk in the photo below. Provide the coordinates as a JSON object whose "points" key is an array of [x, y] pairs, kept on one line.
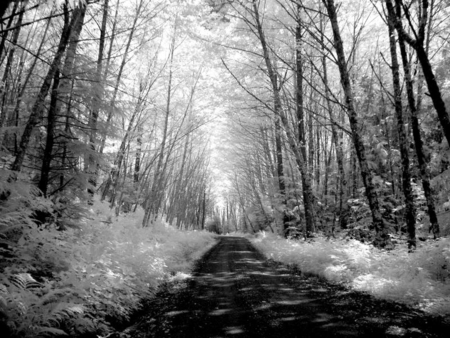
{"points": [[8, 26], [13, 117], [150, 200], [60, 94], [337, 138], [382, 235], [422, 55], [410, 209], [39, 106], [115, 173], [119, 77]]}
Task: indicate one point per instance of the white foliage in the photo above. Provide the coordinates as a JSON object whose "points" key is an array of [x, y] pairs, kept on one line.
{"points": [[421, 278], [111, 266]]}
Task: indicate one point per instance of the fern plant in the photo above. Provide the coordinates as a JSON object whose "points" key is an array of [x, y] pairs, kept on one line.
{"points": [[33, 309]]}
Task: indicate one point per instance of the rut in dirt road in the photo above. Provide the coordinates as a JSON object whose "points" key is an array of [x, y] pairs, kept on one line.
{"points": [[236, 293]]}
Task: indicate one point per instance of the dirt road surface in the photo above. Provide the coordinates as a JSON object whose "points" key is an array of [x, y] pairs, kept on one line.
{"points": [[235, 292]]}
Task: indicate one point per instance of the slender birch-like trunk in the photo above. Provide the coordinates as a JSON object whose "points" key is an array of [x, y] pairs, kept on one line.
{"points": [[382, 234], [410, 209]]}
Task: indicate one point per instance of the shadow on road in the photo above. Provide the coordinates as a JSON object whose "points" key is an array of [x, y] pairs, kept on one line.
{"points": [[235, 293]]}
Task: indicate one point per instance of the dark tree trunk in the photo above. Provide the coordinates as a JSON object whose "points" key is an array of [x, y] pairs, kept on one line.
{"points": [[280, 168], [97, 98], [306, 175], [5, 79], [421, 157], [336, 136], [410, 209], [204, 210], [67, 131], [382, 235], [5, 34], [119, 76], [137, 162], [39, 105], [4, 4], [434, 91], [50, 139], [422, 55], [13, 118]]}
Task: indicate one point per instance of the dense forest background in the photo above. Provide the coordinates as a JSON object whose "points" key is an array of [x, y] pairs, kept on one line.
{"points": [[126, 123]]}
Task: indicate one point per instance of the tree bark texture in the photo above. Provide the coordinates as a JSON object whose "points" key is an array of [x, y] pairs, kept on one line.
{"points": [[39, 105], [50, 138], [382, 235], [410, 209], [422, 55], [300, 159], [418, 143]]}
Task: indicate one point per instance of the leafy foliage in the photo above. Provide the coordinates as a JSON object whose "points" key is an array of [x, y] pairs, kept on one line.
{"points": [[90, 278]]}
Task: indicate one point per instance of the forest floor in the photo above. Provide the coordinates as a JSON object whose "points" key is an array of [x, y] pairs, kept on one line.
{"points": [[236, 292]]}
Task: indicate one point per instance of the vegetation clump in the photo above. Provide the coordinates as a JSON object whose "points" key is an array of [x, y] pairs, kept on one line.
{"points": [[84, 280]]}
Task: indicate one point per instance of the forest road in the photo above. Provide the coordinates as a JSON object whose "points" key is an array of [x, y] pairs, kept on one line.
{"points": [[235, 292]]}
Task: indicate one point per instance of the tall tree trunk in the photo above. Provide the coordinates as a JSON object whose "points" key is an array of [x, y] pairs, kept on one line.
{"points": [[421, 157], [300, 159], [50, 138], [318, 157], [39, 106], [114, 175], [137, 162], [179, 184], [336, 136], [149, 206], [305, 174], [14, 115], [67, 131], [119, 76], [410, 209], [4, 88], [5, 34], [60, 94], [97, 99], [422, 55], [115, 172], [204, 210], [280, 167], [382, 235]]}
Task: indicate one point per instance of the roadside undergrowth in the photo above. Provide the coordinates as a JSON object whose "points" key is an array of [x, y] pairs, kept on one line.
{"points": [[420, 279], [88, 280]]}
